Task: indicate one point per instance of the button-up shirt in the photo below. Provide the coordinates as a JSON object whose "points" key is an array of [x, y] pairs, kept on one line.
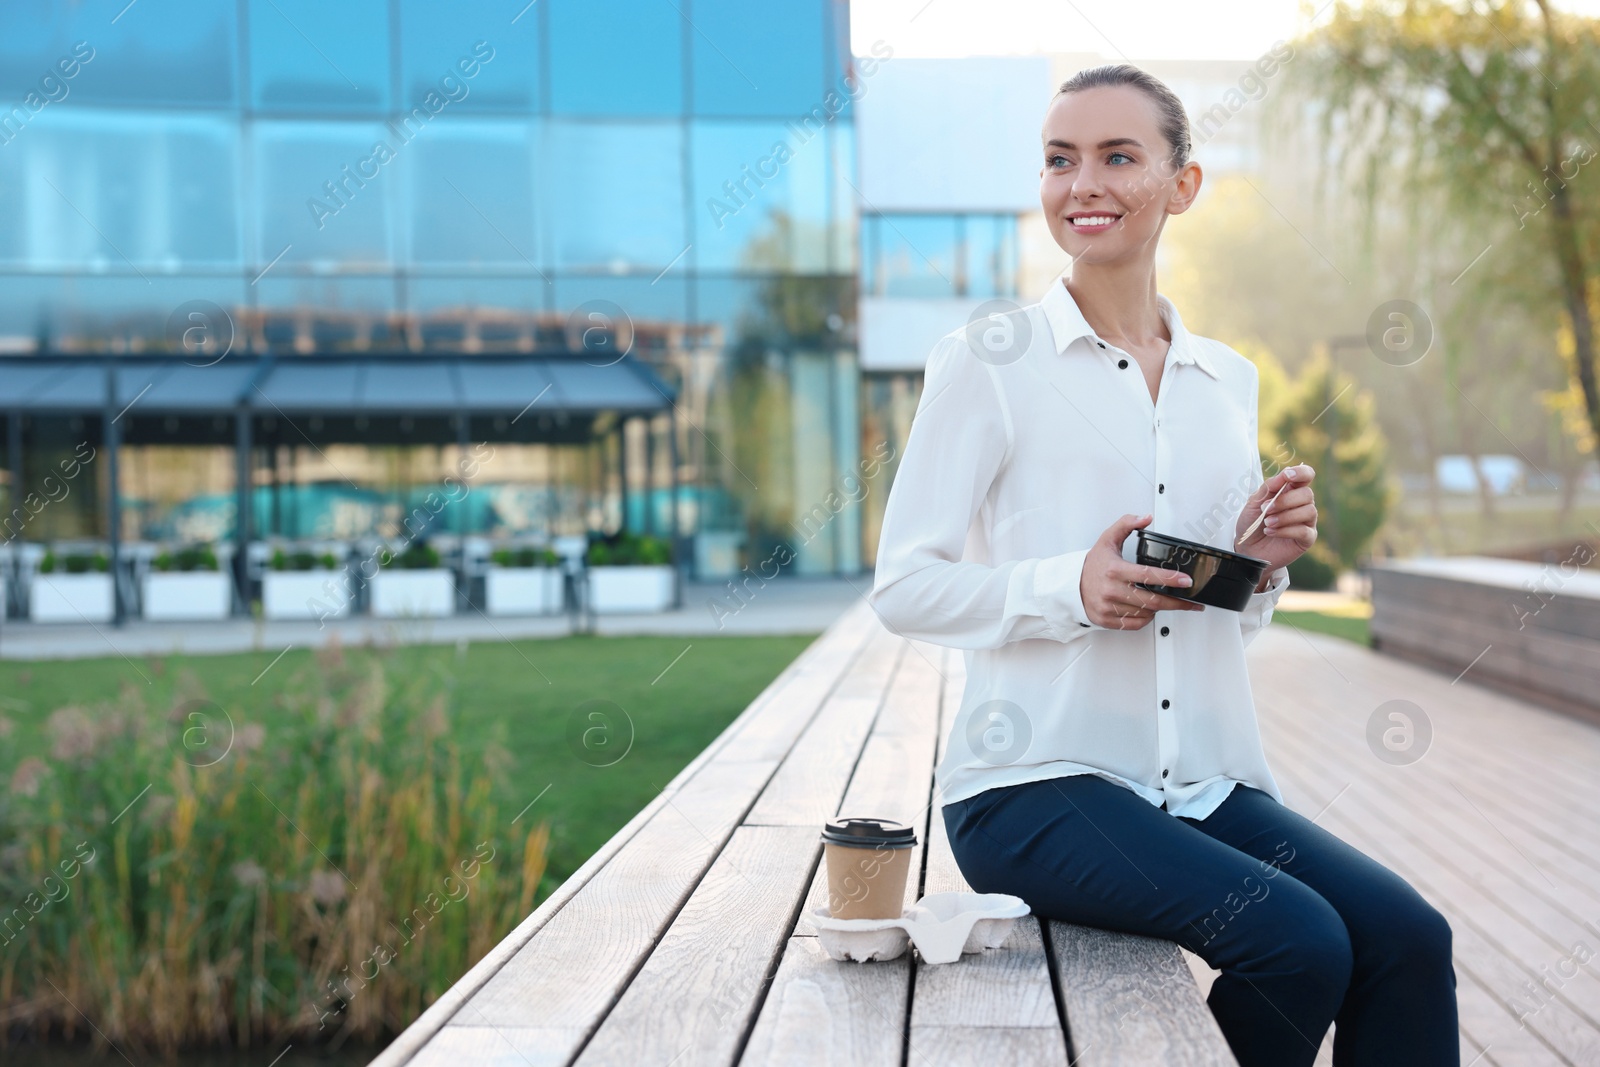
{"points": [[1032, 436]]}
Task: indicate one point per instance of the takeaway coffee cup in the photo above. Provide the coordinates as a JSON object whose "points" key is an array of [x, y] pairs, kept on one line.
{"points": [[868, 861]]}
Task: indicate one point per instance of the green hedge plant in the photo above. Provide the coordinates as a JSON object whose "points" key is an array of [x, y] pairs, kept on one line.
{"points": [[527, 556], [74, 562], [191, 558], [629, 550]]}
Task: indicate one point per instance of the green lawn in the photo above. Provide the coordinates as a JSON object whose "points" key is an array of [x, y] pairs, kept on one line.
{"points": [[1351, 628], [525, 695]]}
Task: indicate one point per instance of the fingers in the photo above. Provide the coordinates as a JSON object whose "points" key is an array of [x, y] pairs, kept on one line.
{"points": [[1118, 531]]}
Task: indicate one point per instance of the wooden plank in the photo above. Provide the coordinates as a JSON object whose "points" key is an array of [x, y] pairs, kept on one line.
{"points": [[696, 995], [1562, 1034], [810, 782], [765, 735], [567, 977], [1133, 1000], [985, 1046], [497, 1046], [793, 696], [825, 1012]]}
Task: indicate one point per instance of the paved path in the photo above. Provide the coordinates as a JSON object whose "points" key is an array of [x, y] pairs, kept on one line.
{"points": [[787, 606]]}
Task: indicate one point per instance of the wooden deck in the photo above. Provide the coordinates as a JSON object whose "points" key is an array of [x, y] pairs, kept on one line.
{"points": [[678, 942]]}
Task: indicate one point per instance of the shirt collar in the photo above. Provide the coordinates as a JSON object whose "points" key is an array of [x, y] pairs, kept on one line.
{"points": [[1067, 324]]}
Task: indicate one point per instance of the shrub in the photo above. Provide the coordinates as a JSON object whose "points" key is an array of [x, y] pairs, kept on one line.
{"points": [[192, 877], [192, 558], [628, 549], [303, 560], [527, 556], [74, 563], [1315, 569], [417, 556]]}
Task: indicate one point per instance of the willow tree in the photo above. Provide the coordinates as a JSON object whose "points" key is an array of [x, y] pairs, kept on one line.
{"points": [[1485, 115]]}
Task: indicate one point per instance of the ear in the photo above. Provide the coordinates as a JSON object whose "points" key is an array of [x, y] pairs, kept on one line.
{"points": [[1183, 197]]}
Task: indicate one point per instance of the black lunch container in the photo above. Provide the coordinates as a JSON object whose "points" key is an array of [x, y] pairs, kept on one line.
{"points": [[1222, 579]]}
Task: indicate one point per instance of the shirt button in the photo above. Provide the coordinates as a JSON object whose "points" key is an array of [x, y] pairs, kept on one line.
{"points": [[1162, 488], [1164, 631], [1166, 703], [1102, 344], [1123, 364], [1165, 772]]}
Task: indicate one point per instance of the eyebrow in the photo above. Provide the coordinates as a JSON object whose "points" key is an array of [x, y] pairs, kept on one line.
{"points": [[1103, 144]]}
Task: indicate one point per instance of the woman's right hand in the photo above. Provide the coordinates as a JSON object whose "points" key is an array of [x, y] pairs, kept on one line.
{"points": [[1109, 596]]}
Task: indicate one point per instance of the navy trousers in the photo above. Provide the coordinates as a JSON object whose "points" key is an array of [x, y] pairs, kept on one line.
{"points": [[1305, 929]]}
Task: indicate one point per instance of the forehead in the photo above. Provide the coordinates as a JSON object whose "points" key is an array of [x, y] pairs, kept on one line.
{"points": [[1090, 116]]}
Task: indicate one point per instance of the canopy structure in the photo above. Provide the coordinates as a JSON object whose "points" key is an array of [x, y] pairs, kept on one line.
{"points": [[367, 398]]}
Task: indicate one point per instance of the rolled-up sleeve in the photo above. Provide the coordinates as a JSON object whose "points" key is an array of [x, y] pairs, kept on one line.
{"points": [[1258, 612], [923, 588]]}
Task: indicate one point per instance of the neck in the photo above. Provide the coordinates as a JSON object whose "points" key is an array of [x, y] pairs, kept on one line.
{"points": [[1119, 300]]}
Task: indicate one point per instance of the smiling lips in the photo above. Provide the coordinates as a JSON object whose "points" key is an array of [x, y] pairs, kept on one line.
{"points": [[1092, 223]]}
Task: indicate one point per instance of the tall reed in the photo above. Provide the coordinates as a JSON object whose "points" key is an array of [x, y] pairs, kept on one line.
{"points": [[319, 867]]}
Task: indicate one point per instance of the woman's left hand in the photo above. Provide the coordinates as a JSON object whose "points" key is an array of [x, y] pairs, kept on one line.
{"points": [[1290, 527]]}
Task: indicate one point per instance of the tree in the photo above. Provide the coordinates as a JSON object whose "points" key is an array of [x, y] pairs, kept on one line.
{"points": [[1490, 110], [1329, 423]]}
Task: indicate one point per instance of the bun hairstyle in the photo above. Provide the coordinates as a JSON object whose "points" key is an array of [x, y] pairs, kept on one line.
{"points": [[1172, 119]]}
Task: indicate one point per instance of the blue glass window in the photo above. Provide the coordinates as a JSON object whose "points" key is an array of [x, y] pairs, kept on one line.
{"points": [[475, 43], [106, 190], [176, 52], [759, 59], [926, 255], [760, 197], [991, 255], [471, 200], [912, 255], [310, 55], [615, 57], [324, 191], [612, 194]]}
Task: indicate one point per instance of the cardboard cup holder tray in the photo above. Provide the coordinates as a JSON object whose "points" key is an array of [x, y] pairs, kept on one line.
{"points": [[941, 925]]}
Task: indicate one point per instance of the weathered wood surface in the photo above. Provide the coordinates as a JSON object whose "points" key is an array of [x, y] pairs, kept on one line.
{"points": [[1529, 629], [682, 941]]}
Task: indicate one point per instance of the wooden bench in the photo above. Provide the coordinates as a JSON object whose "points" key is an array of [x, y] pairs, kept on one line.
{"points": [[679, 943]]}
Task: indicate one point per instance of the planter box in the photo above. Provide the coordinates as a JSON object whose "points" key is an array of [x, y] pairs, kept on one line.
{"points": [[70, 598], [428, 593], [187, 595], [523, 590], [305, 594], [630, 589]]}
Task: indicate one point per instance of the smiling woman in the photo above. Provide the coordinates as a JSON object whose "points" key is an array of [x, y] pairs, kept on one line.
{"points": [[1123, 783]]}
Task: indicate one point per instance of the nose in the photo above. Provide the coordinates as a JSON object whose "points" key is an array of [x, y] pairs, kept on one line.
{"points": [[1087, 184]]}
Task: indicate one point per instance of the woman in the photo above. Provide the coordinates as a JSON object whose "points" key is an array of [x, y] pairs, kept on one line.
{"points": [[1106, 764]]}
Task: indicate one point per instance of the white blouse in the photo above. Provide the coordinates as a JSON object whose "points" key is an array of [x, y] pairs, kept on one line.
{"points": [[1031, 438]]}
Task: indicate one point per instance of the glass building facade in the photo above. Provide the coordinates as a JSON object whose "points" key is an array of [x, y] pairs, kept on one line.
{"points": [[416, 176]]}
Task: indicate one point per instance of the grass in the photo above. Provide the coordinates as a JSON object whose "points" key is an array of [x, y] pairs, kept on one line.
{"points": [[241, 849], [527, 691], [1351, 626]]}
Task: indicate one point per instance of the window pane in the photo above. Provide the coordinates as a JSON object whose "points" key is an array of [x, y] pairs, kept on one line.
{"points": [[435, 39], [175, 52], [471, 201], [310, 55], [614, 194], [758, 59], [615, 57], [324, 193], [760, 198], [991, 254], [104, 190], [915, 255]]}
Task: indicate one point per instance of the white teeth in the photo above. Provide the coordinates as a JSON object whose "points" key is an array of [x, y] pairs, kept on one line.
{"points": [[1095, 220]]}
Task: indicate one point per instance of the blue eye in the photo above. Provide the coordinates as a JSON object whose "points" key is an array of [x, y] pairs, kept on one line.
{"points": [[1052, 161], [1124, 155]]}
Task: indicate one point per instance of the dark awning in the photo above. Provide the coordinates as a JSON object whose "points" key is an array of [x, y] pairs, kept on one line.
{"points": [[333, 384]]}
